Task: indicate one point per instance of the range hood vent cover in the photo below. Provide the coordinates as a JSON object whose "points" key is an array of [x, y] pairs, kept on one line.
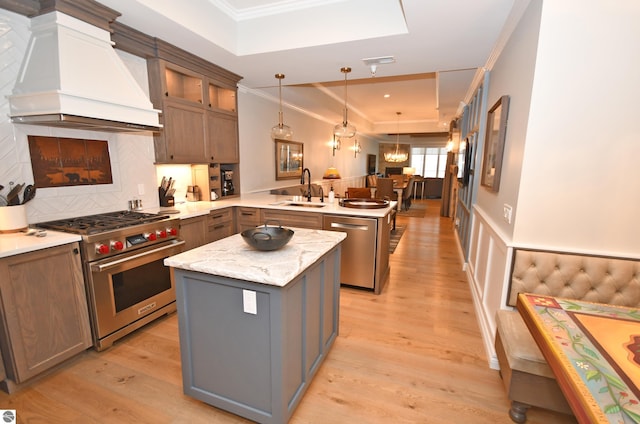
{"points": [[72, 77]]}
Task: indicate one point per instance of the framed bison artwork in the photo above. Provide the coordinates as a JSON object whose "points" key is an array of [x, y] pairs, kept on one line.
{"points": [[60, 162]]}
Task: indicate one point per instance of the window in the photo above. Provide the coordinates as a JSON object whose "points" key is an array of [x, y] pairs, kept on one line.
{"points": [[429, 161]]}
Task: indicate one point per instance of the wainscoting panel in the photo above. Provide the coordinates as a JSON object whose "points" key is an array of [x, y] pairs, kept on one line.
{"points": [[487, 271]]}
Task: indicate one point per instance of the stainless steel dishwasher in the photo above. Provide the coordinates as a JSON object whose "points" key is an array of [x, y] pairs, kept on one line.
{"points": [[358, 260]]}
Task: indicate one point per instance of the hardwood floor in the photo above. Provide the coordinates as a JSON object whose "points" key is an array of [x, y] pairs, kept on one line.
{"points": [[413, 354]]}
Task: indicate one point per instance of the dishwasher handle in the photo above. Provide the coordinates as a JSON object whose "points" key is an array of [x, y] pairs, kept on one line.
{"points": [[349, 226]]}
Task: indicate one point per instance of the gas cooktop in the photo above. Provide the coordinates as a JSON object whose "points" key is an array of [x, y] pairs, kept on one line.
{"points": [[95, 224]]}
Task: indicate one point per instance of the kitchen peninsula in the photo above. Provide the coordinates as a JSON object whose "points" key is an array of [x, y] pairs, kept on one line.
{"points": [[254, 325], [365, 252]]}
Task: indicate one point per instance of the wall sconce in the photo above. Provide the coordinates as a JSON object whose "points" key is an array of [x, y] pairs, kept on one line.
{"points": [[335, 145], [357, 148]]}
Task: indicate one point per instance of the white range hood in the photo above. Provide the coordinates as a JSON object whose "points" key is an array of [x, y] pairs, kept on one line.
{"points": [[71, 76]]}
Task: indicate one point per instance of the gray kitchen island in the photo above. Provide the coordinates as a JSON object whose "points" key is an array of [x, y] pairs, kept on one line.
{"points": [[255, 326]]}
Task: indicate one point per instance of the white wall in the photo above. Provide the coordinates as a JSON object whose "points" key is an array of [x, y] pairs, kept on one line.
{"points": [[491, 236], [570, 161], [581, 180], [257, 114]]}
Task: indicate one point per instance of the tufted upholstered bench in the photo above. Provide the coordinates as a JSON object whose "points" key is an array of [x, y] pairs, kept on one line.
{"points": [[527, 377]]}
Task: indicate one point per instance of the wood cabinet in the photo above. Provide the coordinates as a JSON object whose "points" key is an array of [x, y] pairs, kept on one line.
{"points": [[193, 231], [44, 316], [199, 125], [309, 220], [247, 218], [220, 224], [222, 137]]}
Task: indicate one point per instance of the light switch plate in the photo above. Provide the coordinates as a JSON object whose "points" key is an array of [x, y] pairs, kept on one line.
{"points": [[249, 303], [507, 212]]}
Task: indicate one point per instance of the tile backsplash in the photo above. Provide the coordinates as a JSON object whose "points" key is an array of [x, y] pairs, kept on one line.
{"points": [[132, 155]]}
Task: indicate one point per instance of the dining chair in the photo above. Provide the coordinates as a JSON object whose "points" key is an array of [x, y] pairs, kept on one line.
{"points": [[385, 191], [358, 192], [372, 180], [406, 194]]}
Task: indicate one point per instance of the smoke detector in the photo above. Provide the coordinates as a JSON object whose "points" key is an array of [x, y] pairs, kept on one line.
{"points": [[373, 62]]}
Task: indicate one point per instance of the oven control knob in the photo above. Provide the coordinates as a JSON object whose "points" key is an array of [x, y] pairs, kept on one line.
{"points": [[162, 233], [117, 245], [150, 236], [102, 249], [172, 231]]}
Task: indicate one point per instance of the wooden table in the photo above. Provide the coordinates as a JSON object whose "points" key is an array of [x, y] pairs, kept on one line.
{"points": [[594, 352]]}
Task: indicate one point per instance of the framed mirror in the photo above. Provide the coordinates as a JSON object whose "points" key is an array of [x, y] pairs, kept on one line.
{"points": [[289, 159], [494, 144]]}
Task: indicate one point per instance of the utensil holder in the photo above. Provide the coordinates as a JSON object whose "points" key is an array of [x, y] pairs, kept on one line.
{"points": [[13, 218]]}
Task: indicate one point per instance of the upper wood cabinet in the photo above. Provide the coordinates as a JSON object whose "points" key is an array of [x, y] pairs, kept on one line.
{"points": [[199, 115]]}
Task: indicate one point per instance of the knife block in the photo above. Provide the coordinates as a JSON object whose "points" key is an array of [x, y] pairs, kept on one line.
{"points": [[164, 199]]}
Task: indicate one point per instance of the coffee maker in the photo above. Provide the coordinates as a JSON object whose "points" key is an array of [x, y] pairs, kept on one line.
{"points": [[227, 183]]}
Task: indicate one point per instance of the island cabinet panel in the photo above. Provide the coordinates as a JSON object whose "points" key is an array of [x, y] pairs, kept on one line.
{"points": [[256, 365], [44, 316], [293, 219]]}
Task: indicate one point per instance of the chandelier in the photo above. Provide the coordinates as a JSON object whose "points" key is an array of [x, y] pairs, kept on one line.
{"points": [[344, 129], [281, 131], [397, 156]]}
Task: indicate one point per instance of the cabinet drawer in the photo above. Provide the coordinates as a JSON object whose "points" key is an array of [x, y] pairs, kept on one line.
{"points": [[248, 216], [219, 216], [293, 219], [220, 231]]}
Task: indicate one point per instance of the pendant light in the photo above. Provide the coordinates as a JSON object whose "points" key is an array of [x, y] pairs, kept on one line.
{"points": [[281, 131], [344, 129], [396, 156]]}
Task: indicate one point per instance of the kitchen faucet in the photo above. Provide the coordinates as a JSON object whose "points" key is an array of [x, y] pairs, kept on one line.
{"points": [[308, 182]]}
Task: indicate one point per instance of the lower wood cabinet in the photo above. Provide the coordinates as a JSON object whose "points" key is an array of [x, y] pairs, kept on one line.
{"points": [[193, 231], [220, 224], [247, 218], [309, 220], [44, 317]]}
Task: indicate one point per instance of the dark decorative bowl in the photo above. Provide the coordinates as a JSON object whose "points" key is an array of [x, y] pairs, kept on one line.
{"points": [[267, 238]]}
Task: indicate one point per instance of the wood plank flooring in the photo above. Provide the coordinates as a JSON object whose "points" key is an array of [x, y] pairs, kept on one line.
{"points": [[410, 355]]}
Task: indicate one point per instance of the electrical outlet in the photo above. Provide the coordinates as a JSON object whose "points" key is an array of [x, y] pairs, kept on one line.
{"points": [[507, 211], [140, 189], [249, 302]]}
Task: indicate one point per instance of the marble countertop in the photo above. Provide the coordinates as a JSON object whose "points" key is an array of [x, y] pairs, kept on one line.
{"points": [[17, 243], [232, 257], [271, 201]]}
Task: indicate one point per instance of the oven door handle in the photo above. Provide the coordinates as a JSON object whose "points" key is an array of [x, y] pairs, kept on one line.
{"points": [[103, 267]]}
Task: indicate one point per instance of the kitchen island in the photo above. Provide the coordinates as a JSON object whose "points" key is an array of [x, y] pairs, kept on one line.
{"points": [[255, 326]]}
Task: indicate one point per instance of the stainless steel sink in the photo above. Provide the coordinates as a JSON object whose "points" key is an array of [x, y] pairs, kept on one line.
{"points": [[306, 205]]}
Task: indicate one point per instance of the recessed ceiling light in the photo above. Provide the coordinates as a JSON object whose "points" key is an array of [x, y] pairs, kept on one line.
{"points": [[386, 96]]}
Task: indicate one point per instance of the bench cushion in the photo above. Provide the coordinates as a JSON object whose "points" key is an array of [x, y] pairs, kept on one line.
{"points": [[521, 350]]}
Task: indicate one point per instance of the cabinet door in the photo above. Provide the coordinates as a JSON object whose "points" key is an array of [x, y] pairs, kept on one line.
{"points": [[183, 134], [45, 318], [193, 231], [222, 137]]}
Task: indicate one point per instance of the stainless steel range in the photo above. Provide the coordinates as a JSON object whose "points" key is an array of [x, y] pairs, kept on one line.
{"points": [[127, 283]]}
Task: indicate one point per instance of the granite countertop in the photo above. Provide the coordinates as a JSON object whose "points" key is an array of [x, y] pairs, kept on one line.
{"points": [[17, 243], [232, 257]]}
